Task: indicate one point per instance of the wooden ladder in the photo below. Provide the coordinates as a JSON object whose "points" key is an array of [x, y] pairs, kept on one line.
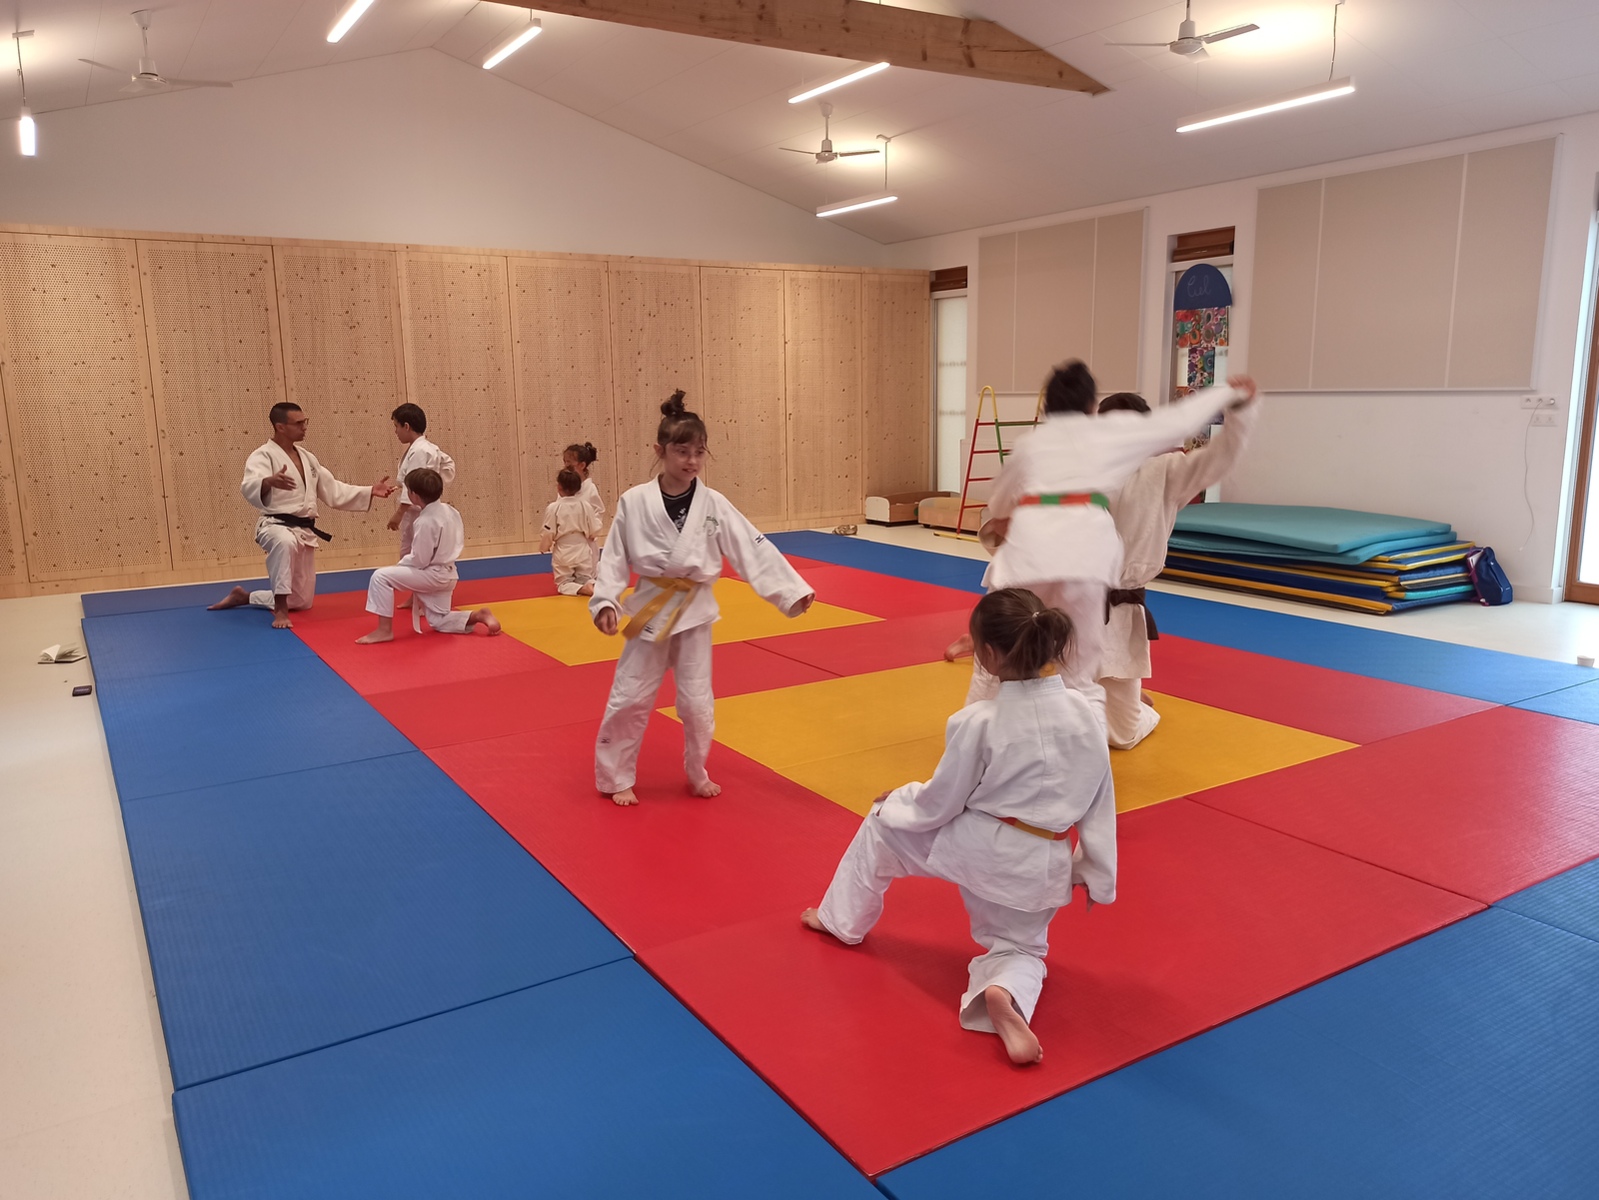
{"points": [[991, 400]]}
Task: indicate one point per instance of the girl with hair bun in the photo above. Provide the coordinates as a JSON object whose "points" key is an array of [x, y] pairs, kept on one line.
{"points": [[674, 532], [578, 458], [1019, 772]]}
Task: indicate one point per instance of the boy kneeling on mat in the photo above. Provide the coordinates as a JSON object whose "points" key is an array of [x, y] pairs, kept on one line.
{"points": [[427, 570]]}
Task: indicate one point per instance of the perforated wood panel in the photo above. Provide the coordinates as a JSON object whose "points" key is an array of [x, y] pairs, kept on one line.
{"points": [[457, 320], [655, 340], [342, 362], [824, 383], [744, 402], [560, 318], [1118, 300], [13, 563], [78, 402], [213, 332], [899, 401]]}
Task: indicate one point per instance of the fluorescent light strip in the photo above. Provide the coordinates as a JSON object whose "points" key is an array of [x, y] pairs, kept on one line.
{"points": [[838, 83], [844, 206], [27, 134], [515, 44], [347, 20], [1322, 91]]}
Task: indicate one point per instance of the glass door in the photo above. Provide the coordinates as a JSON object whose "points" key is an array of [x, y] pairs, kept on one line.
{"points": [[949, 390]]}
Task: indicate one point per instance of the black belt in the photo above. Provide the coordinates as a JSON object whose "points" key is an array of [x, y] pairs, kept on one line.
{"points": [[1119, 596], [299, 523]]}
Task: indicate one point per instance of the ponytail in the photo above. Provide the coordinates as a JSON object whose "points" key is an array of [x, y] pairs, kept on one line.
{"points": [[678, 425], [1022, 629], [585, 453]]}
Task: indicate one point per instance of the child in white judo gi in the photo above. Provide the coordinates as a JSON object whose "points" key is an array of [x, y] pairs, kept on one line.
{"points": [[427, 571], [579, 458], [410, 427], [1145, 510], [570, 527], [674, 532], [285, 483], [1019, 771]]}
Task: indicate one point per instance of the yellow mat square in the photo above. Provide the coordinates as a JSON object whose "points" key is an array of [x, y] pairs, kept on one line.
{"points": [[560, 625]]}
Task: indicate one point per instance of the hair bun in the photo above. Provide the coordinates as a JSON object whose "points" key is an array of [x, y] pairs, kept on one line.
{"points": [[674, 407]]}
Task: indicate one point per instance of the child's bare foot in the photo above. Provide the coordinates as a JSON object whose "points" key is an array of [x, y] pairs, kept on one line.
{"points": [[706, 789], [486, 618], [959, 648], [405, 603], [377, 635], [812, 919], [1147, 698], [1020, 1041], [280, 620], [586, 590], [237, 598], [624, 797]]}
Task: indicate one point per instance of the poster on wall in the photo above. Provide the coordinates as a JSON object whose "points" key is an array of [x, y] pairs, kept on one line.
{"points": [[1201, 304]]}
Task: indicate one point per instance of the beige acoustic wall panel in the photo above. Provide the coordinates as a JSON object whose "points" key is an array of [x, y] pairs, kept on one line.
{"points": [[1282, 320], [212, 321], [1054, 300], [996, 313], [1386, 278], [81, 416], [899, 399], [339, 310], [1499, 281], [458, 366], [560, 320], [655, 349], [741, 326], [824, 382], [1118, 300]]}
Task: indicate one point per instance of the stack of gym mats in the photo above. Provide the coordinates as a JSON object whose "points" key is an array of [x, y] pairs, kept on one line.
{"points": [[1360, 561]]}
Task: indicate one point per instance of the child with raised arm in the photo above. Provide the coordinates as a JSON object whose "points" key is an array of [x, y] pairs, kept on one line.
{"points": [[1145, 510], [674, 532], [1019, 771], [570, 527], [427, 570]]}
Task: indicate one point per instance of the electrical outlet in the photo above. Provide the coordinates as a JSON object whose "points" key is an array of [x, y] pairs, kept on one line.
{"points": [[1537, 402], [1544, 419]]}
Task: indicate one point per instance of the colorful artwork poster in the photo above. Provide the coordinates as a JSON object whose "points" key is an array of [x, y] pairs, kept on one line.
{"points": [[1201, 308]]}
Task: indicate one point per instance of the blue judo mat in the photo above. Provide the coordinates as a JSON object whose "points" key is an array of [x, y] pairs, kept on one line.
{"points": [[1569, 901]]}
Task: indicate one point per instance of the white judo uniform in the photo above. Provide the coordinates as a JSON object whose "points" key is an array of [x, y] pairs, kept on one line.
{"points": [[1034, 753], [675, 601], [419, 454], [1069, 554], [1145, 509], [427, 571], [291, 551], [590, 495], [570, 527]]}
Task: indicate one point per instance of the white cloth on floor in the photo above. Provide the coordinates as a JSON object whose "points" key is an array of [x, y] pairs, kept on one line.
{"points": [[1128, 720], [291, 553], [438, 537], [418, 454], [638, 680], [569, 529]]}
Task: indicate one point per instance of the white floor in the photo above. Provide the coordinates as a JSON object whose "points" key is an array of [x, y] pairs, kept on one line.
{"points": [[85, 1097]]}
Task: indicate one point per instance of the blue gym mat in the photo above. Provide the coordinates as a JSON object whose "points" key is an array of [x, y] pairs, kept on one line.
{"points": [[1463, 1065], [921, 565], [290, 913], [168, 733], [165, 641], [1580, 703], [1569, 901], [599, 1085]]}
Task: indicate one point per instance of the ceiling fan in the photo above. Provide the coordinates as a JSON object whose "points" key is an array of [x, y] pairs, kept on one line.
{"points": [[827, 154], [1189, 44], [147, 78]]}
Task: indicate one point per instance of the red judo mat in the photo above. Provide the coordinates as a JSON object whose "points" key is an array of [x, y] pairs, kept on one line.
{"points": [[1224, 905]]}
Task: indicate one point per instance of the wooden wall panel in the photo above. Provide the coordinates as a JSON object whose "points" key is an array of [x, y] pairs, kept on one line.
{"points": [[561, 322], [343, 363], [458, 358], [742, 323], [824, 384], [13, 562], [655, 349], [211, 315], [1282, 321], [1054, 300], [1118, 296], [899, 394], [996, 313], [81, 416]]}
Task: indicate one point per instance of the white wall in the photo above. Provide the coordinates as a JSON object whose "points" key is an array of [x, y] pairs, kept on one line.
{"points": [[416, 147], [1455, 456]]}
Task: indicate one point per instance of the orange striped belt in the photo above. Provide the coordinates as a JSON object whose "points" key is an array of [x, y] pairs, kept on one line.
{"points": [[1047, 834], [1059, 499]]}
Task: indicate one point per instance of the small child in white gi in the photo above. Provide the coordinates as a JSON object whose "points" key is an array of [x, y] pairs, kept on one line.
{"points": [[674, 531], [427, 570], [1019, 771], [410, 424], [579, 458], [570, 527]]}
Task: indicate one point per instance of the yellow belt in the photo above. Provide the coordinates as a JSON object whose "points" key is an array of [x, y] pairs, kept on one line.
{"points": [[1048, 834], [673, 591]]}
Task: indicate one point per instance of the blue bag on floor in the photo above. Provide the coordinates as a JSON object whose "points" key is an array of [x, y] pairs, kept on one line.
{"points": [[1488, 577]]}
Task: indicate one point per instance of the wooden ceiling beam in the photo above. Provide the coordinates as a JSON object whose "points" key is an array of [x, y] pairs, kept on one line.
{"points": [[851, 29]]}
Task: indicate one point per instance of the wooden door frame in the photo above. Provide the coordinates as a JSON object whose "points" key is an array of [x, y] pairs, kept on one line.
{"points": [[1586, 593]]}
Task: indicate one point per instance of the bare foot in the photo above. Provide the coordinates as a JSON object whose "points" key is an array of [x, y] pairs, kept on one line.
{"points": [[812, 919], [406, 603], [1020, 1041], [281, 621], [377, 635], [237, 598], [485, 618], [586, 590], [706, 789], [624, 797], [1147, 698], [959, 648]]}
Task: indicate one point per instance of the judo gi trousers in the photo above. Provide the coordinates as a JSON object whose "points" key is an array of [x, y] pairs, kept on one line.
{"points": [[1083, 600], [291, 566], [573, 568], [638, 678], [431, 590], [1128, 720], [1014, 942]]}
